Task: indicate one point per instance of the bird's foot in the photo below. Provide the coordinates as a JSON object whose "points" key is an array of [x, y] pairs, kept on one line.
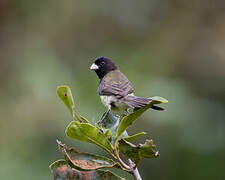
{"points": [[102, 122], [99, 122]]}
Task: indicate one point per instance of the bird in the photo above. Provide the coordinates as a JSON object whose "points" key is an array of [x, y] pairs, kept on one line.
{"points": [[115, 90]]}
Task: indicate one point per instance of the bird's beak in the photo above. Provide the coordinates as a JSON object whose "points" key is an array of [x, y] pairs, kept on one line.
{"points": [[94, 67]]}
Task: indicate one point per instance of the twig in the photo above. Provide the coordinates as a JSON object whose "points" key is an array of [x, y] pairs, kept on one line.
{"points": [[121, 161], [134, 170]]}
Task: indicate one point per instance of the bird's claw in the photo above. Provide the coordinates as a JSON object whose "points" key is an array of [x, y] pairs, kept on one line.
{"points": [[99, 122], [102, 122]]}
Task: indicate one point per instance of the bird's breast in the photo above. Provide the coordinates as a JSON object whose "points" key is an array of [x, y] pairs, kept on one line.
{"points": [[114, 103], [107, 100]]}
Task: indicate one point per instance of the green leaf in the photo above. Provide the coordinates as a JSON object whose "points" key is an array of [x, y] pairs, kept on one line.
{"points": [[86, 161], [126, 121], [111, 125], [108, 134], [111, 121], [84, 119], [146, 150], [87, 133], [66, 96], [158, 100], [61, 170], [133, 137]]}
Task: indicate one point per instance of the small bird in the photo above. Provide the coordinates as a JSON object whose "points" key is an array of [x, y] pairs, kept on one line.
{"points": [[115, 90]]}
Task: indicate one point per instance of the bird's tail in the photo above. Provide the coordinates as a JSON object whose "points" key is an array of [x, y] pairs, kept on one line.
{"points": [[138, 102]]}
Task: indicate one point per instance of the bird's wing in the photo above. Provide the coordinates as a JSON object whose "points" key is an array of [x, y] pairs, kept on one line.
{"points": [[115, 83]]}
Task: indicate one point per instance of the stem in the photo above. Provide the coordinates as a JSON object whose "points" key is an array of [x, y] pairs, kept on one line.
{"points": [[121, 161], [134, 170]]}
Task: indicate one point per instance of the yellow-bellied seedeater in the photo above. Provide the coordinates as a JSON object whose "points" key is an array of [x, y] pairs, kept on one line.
{"points": [[115, 90]]}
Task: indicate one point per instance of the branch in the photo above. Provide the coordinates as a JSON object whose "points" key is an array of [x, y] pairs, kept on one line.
{"points": [[134, 170], [121, 161]]}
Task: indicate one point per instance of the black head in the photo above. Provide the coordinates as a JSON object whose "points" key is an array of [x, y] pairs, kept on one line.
{"points": [[102, 66]]}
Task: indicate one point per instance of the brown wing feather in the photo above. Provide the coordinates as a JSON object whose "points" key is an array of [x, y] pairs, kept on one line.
{"points": [[115, 83]]}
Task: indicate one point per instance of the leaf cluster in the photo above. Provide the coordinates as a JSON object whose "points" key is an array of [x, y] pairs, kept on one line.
{"points": [[111, 137]]}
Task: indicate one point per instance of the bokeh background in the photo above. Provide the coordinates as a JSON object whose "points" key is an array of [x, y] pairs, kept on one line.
{"points": [[174, 49]]}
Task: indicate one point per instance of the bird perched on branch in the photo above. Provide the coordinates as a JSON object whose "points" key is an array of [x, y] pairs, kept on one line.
{"points": [[115, 90]]}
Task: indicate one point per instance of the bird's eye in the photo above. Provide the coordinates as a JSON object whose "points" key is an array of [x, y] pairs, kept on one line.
{"points": [[102, 63]]}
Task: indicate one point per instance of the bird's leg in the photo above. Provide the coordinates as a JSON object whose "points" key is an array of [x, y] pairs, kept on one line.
{"points": [[104, 118]]}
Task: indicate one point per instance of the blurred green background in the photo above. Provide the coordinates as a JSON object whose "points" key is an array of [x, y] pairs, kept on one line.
{"points": [[174, 49]]}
